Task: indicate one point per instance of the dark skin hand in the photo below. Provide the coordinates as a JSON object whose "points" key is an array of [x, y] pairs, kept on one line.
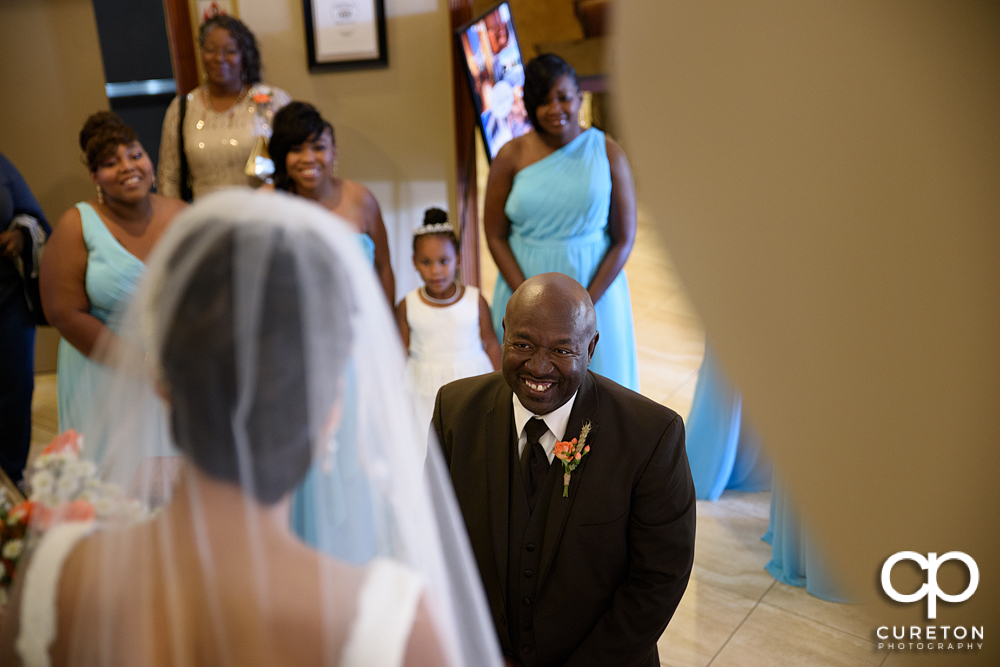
{"points": [[12, 243], [553, 133]]}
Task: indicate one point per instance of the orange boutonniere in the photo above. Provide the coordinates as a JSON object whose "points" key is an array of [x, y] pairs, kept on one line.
{"points": [[570, 453], [262, 98]]}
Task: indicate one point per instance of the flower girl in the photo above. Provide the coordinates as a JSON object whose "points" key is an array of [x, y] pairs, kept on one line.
{"points": [[445, 325]]}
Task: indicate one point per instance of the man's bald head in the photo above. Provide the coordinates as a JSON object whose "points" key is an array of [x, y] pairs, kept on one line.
{"points": [[550, 333], [556, 293]]}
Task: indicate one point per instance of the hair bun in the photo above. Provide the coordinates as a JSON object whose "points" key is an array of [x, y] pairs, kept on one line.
{"points": [[98, 123], [101, 135], [435, 216]]}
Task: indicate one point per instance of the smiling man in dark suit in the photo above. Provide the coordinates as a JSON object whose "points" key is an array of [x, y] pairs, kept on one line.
{"points": [[578, 570]]}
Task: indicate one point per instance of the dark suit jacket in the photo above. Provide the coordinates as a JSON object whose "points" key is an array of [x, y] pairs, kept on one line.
{"points": [[617, 553]]}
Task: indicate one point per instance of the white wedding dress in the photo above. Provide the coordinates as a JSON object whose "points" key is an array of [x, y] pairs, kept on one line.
{"points": [[387, 605]]}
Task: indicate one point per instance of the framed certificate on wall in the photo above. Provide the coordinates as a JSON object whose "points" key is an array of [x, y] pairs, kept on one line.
{"points": [[345, 34]]}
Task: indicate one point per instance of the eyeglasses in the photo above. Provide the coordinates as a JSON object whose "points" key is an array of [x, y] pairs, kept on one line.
{"points": [[228, 53]]}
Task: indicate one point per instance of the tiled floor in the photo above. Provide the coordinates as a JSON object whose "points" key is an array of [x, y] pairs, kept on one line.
{"points": [[733, 614]]}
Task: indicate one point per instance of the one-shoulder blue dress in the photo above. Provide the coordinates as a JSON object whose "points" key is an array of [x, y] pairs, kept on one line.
{"points": [[558, 210], [333, 509], [112, 277]]}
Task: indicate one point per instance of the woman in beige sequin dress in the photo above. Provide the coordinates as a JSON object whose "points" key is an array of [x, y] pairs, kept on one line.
{"points": [[224, 116]]}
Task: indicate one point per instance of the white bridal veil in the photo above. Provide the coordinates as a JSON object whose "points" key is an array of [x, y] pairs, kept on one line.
{"points": [[262, 327]]}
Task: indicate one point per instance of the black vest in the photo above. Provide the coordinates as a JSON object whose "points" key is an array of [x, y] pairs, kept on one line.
{"points": [[524, 544]]}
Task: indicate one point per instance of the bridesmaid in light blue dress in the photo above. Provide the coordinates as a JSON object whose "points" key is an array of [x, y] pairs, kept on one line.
{"points": [[725, 453], [112, 276], [304, 150], [93, 262], [561, 199], [795, 560], [335, 493]]}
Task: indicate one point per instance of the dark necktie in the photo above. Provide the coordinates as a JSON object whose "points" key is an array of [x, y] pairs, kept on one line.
{"points": [[534, 461]]}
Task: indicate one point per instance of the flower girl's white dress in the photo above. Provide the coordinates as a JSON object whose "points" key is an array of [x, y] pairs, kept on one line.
{"points": [[445, 345]]}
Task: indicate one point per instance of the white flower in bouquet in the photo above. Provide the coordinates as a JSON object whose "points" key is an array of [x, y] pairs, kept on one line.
{"points": [[80, 469], [67, 486], [12, 549], [42, 483]]}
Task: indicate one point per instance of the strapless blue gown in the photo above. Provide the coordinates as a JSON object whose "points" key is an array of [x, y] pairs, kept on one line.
{"points": [[333, 510], [723, 451], [794, 558], [558, 210]]}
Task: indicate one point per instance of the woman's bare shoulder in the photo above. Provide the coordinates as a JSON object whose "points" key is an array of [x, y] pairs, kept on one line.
{"points": [[513, 153], [68, 229], [356, 191], [358, 196]]}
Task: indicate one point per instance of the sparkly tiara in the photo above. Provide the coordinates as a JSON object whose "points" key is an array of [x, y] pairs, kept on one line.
{"points": [[436, 228]]}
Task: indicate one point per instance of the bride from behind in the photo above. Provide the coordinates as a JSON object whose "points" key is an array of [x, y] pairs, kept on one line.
{"points": [[253, 307]]}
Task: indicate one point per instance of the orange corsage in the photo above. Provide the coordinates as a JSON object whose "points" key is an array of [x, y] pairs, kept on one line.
{"points": [[570, 453]]}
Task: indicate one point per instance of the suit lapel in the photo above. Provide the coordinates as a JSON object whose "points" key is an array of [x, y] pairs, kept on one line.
{"points": [[584, 409], [499, 424]]}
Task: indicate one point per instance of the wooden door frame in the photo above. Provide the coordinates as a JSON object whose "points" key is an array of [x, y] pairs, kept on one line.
{"points": [[183, 54], [467, 215]]}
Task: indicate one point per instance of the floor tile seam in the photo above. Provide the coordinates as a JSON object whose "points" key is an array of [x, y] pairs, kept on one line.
{"points": [[743, 596], [702, 582], [813, 620], [692, 374], [741, 515], [735, 630], [746, 514]]}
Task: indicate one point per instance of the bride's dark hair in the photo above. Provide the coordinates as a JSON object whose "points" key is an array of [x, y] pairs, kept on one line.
{"points": [[200, 362]]}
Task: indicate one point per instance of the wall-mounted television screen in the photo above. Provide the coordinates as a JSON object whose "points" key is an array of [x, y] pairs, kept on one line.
{"points": [[496, 76]]}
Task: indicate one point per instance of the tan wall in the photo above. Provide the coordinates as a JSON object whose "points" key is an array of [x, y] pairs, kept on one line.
{"points": [[825, 175], [395, 126], [51, 75]]}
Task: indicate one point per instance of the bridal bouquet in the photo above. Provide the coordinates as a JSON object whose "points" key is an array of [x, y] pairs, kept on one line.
{"points": [[62, 487]]}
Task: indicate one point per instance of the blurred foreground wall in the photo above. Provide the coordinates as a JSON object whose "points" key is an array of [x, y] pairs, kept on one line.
{"points": [[827, 179]]}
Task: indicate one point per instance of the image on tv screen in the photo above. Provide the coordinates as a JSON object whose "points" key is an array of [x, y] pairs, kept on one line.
{"points": [[496, 76]]}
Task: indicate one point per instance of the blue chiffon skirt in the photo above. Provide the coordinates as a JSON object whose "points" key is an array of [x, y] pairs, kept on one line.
{"points": [[794, 558], [723, 451], [334, 510]]}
